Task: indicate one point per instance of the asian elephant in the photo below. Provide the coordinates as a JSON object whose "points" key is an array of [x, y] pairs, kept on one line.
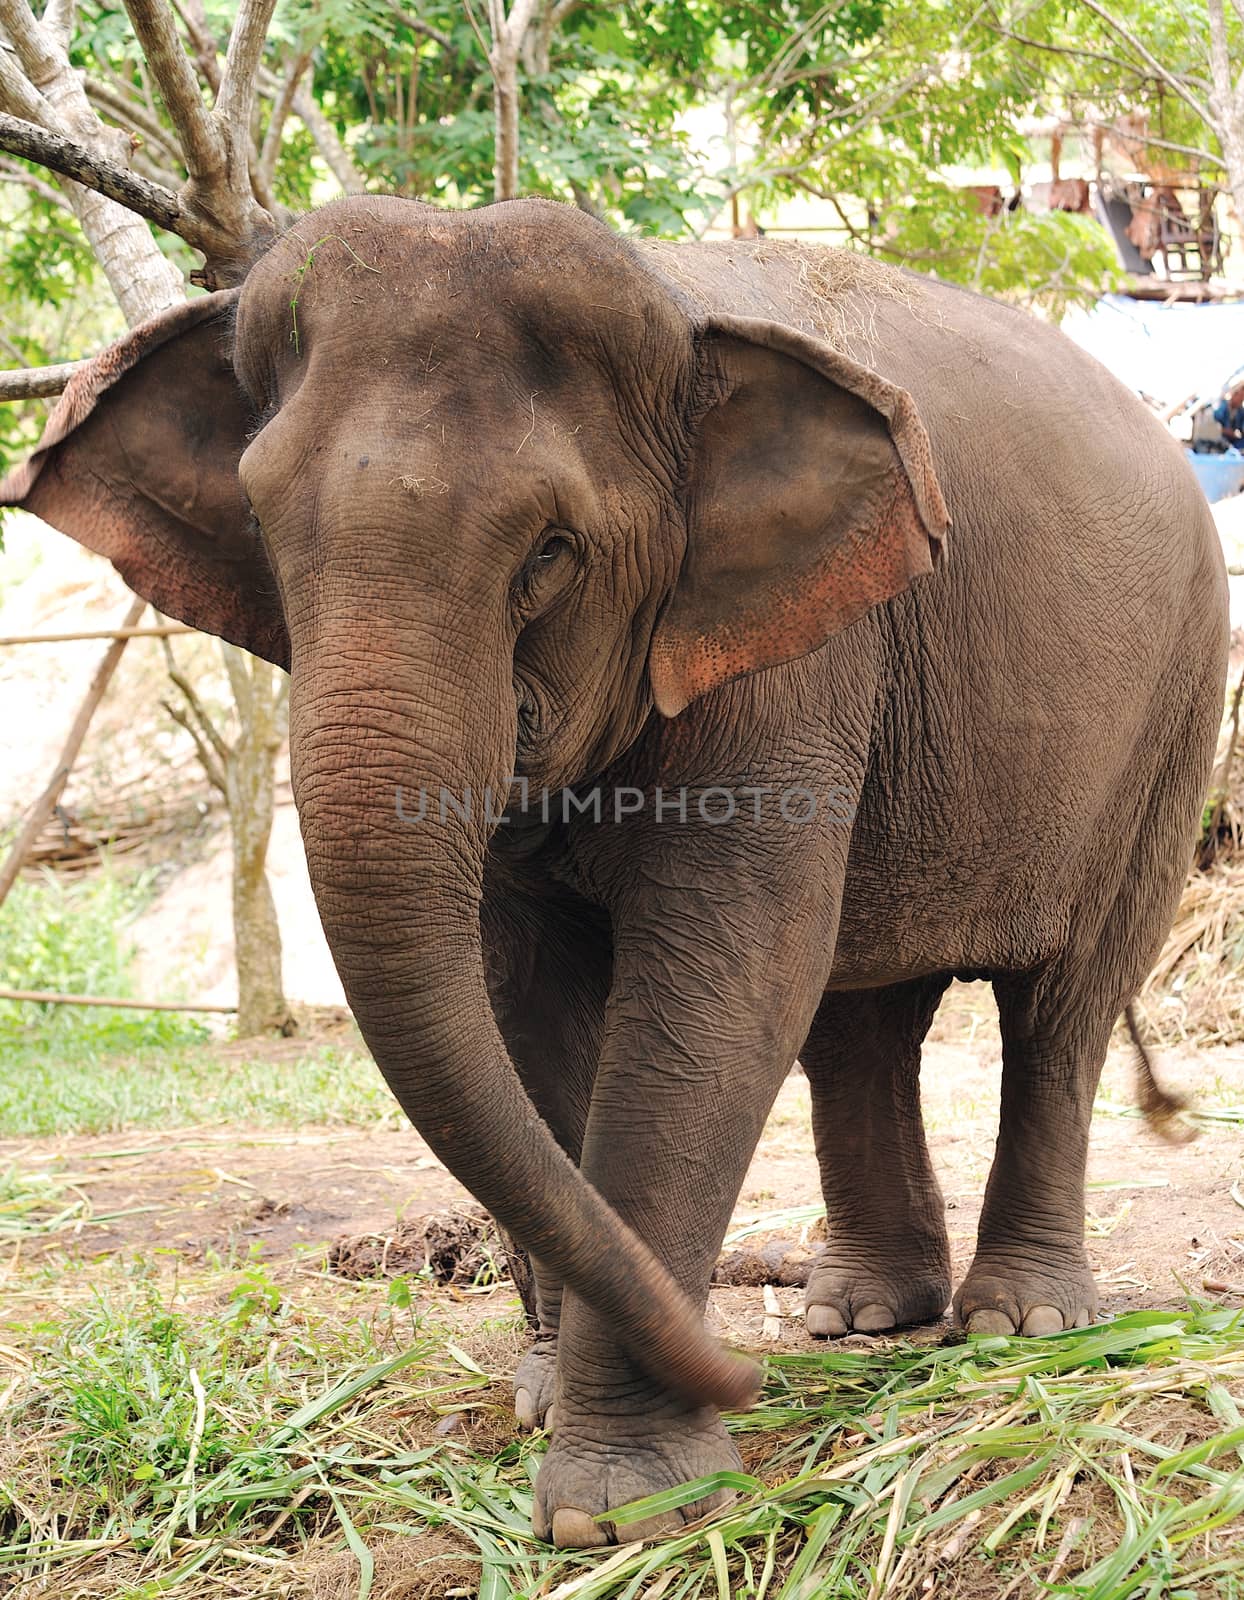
{"points": [[823, 632]]}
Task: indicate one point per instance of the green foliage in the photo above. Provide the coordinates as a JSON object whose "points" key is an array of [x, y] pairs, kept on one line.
{"points": [[70, 938], [875, 108], [1050, 261], [1061, 53]]}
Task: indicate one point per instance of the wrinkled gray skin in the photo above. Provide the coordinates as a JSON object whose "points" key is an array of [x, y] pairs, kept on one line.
{"points": [[532, 501]]}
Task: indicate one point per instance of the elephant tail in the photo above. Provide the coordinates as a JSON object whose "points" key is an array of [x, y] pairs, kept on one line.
{"points": [[1161, 1108]]}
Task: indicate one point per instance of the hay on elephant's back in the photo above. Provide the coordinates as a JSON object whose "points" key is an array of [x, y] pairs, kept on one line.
{"points": [[1195, 990], [841, 287]]}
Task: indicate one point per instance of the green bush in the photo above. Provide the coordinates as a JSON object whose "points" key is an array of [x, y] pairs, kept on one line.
{"points": [[70, 938]]}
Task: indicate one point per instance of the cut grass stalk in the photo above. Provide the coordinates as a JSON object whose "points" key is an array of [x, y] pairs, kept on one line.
{"points": [[1107, 1460]]}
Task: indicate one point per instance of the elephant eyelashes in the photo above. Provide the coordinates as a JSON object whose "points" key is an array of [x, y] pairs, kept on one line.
{"points": [[546, 572]]}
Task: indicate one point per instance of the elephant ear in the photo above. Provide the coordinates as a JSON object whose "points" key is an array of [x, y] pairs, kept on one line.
{"points": [[139, 462], [811, 496]]}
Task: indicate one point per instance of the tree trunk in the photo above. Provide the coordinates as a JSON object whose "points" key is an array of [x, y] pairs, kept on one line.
{"points": [[505, 114], [260, 692], [140, 277], [1226, 102]]}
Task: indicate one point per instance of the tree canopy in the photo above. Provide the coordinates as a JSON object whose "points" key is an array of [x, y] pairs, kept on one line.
{"points": [[211, 117]]}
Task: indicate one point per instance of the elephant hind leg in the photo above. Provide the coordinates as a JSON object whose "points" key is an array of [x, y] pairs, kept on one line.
{"points": [[1030, 1273], [887, 1260]]}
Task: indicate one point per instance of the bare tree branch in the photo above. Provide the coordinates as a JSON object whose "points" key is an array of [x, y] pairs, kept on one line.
{"points": [[36, 383], [129, 115], [333, 153], [206, 50], [165, 177], [1142, 50], [416, 25], [236, 96], [206, 726], [17, 96], [1076, 52], [270, 153], [34, 48], [1196, 150], [214, 775], [74, 161], [58, 17], [10, 172], [162, 49]]}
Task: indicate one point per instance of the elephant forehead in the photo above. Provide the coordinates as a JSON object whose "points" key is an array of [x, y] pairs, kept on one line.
{"points": [[420, 288]]}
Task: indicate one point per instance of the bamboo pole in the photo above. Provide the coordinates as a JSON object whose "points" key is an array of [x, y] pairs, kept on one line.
{"points": [[51, 998], [165, 631], [46, 803]]}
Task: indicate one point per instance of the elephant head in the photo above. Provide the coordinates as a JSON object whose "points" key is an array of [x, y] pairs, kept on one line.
{"points": [[492, 493]]}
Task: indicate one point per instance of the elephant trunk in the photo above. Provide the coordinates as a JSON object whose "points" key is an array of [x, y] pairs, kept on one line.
{"points": [[399, 882]]}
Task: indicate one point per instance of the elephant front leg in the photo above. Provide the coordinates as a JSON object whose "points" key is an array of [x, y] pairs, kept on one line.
{"points": [[548, 963], [703, 1025]]}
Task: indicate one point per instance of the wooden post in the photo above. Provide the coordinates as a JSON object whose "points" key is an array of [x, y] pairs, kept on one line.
{"points": [[46, 803]]}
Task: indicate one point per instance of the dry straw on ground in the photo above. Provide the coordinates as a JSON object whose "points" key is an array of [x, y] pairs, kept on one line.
{"points": [[1196, 990]]}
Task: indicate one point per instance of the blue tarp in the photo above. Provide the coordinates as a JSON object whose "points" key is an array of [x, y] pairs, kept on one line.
{"points": [[1167, 352]]}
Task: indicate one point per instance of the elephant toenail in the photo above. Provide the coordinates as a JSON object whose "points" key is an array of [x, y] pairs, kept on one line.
{"points": [[825, 1322], [524, 1409], [990, 1322], [1042, 1320], [873, 1319], [1085, 1319], [576, 1530]]}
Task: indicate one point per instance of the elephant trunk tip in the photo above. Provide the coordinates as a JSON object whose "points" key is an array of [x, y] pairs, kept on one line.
{"points": [[728, 1379]]}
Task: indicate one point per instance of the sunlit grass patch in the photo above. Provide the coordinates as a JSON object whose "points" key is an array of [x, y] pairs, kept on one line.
{"points": [[255, 1446], [52, 1087]]}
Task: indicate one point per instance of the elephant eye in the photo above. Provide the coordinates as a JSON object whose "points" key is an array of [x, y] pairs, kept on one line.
{"points": [[553, 547], [549, 570]]}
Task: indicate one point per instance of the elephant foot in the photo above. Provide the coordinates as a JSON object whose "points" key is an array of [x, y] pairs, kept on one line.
{"points": [[594, 1467], [1010, 1295], [847, 1295], [534, 1381]]}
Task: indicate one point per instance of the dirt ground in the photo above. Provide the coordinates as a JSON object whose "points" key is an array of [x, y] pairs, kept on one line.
{"points": [[1162, 1219]]}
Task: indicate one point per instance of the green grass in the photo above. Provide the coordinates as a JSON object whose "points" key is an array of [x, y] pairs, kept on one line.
{"points": [[257, 1448], [260, 1430], [71, 938], [49, 1087], [66, 1069]]}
